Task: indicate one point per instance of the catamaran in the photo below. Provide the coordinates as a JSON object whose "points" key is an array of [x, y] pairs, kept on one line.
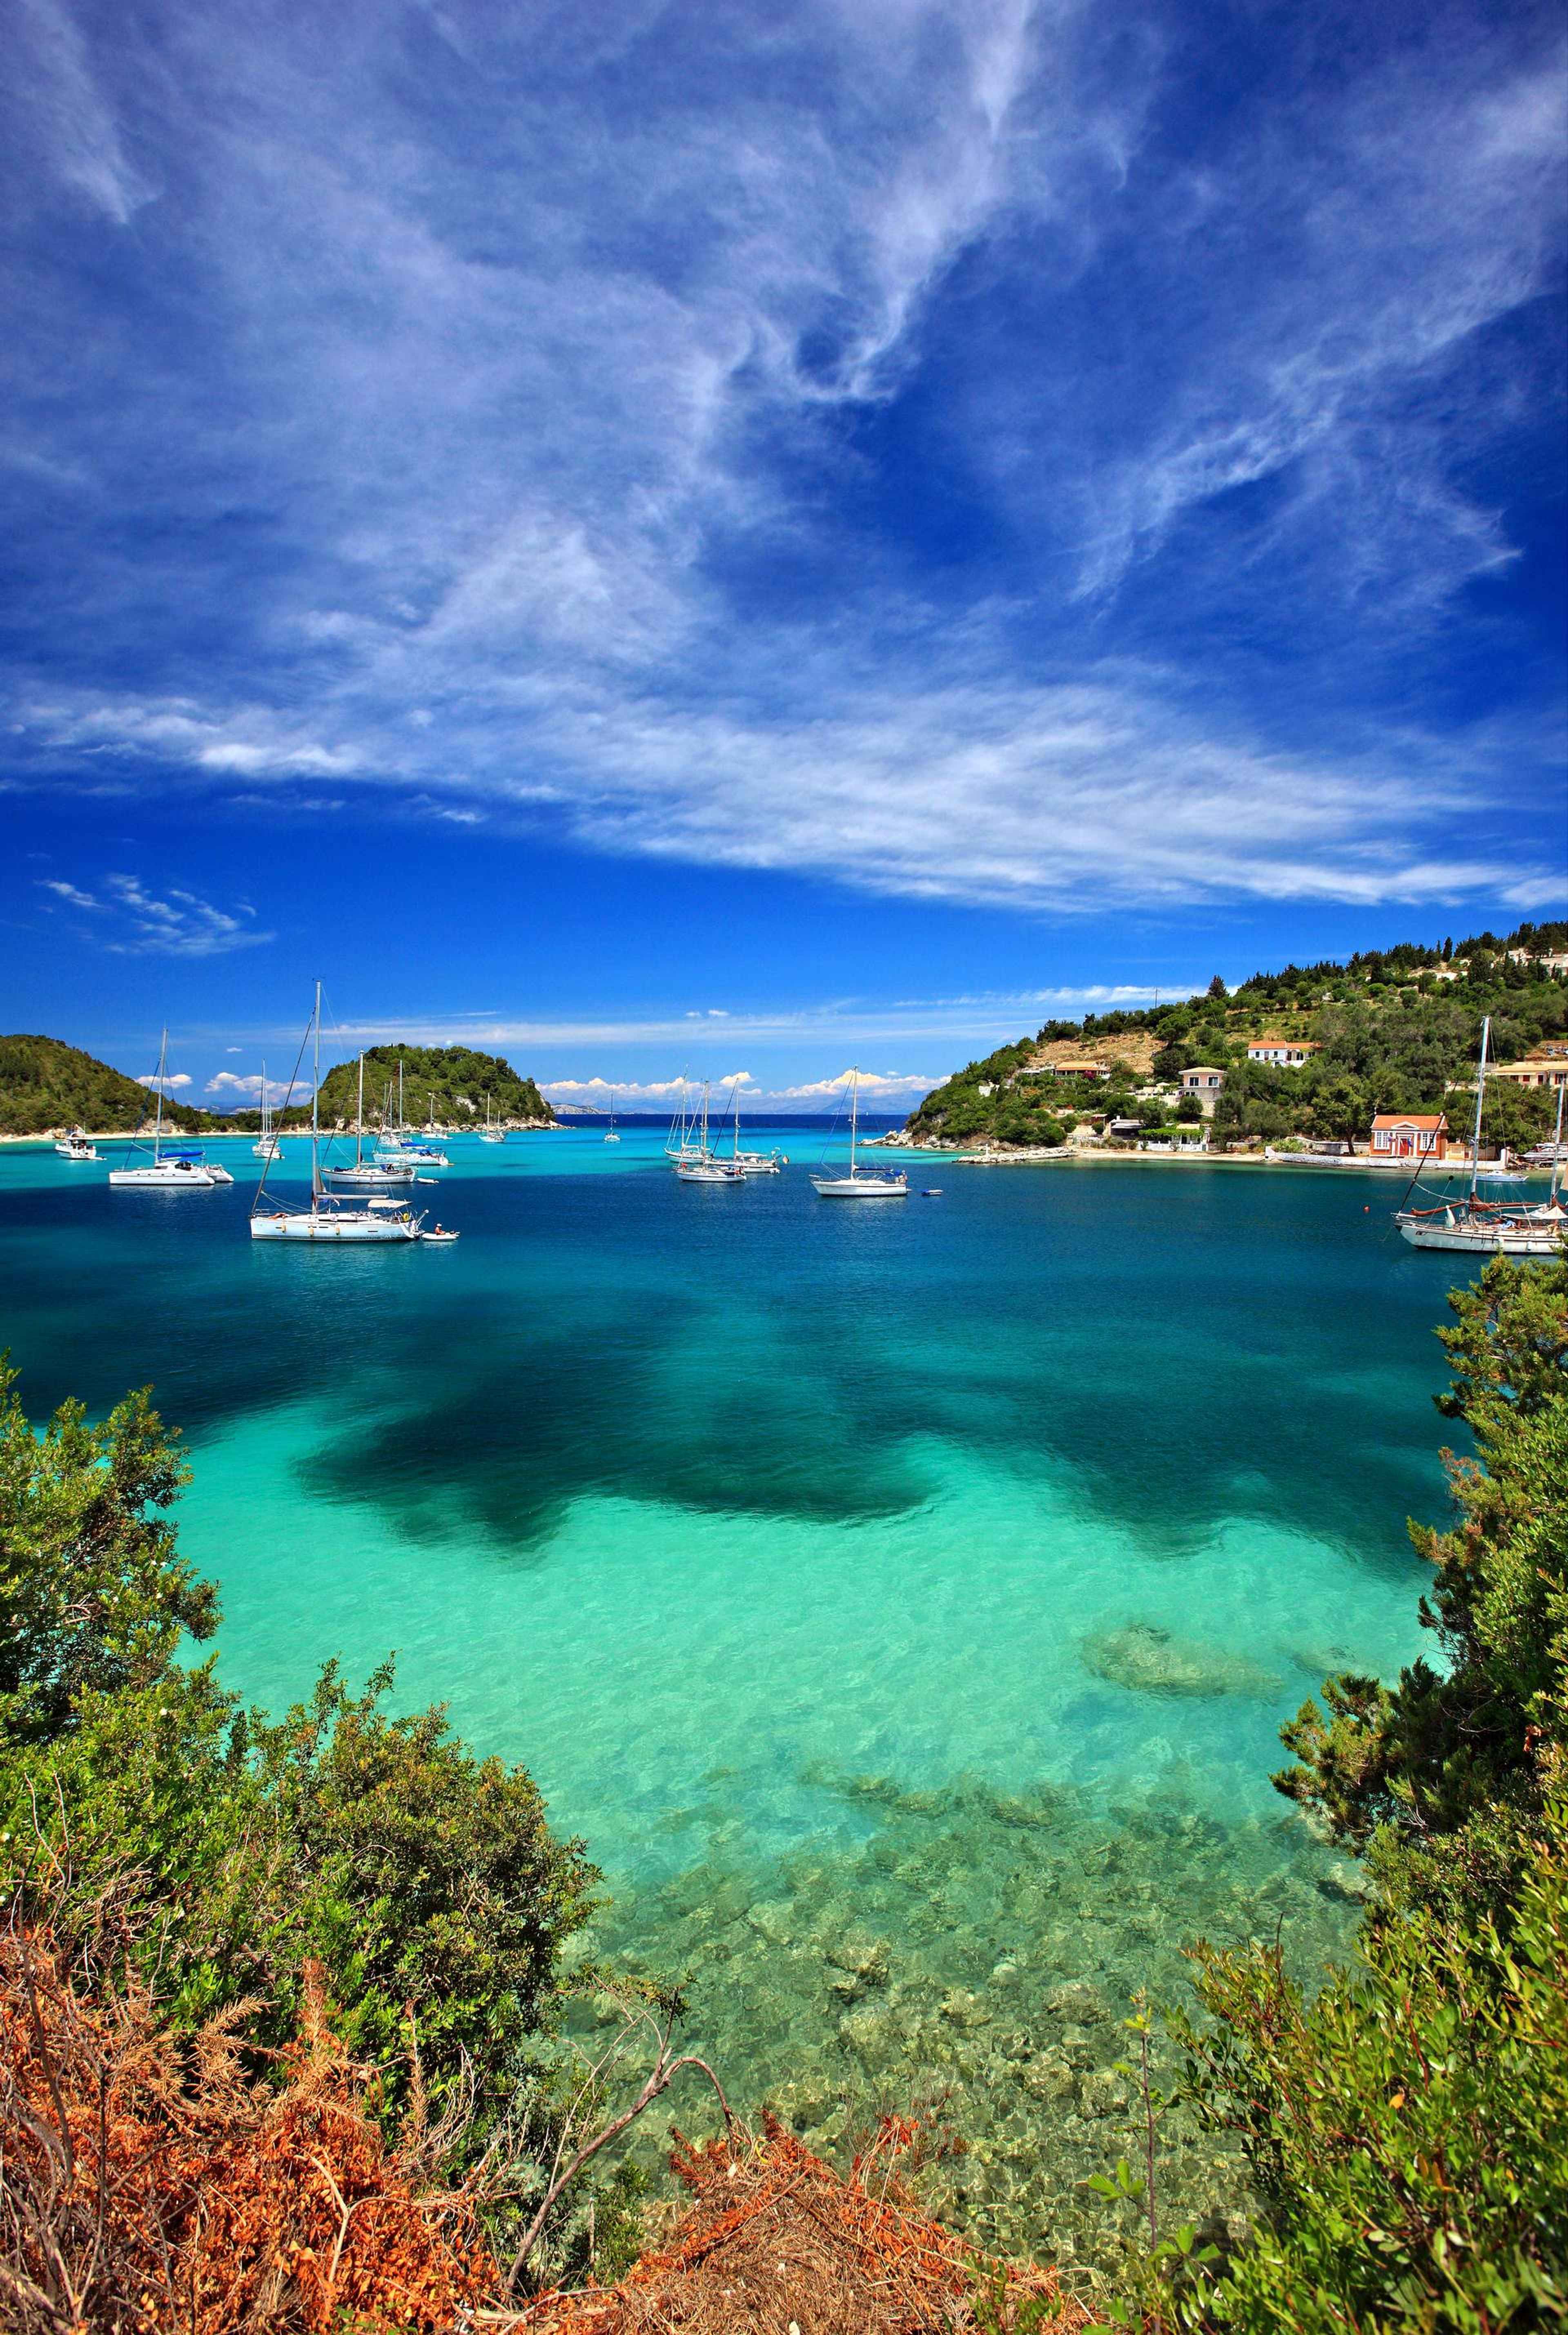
{"points": [[366, 1175], [181, 1170], [76, 1146], [1477, 1226], [326, 1219], [862, 1182], [699, 1165], [267, 1145], [490, 1132]]}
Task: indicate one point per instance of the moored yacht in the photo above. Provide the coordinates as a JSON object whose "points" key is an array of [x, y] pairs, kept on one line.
{"points": [[861, 1183], [76, 1146], [363, 1174], [1476, 1226], [327, 1219], [697, 1163], [183, 1169]]}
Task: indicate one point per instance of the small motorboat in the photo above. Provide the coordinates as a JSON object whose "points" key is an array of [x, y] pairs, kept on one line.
{"points": [[932, 1192], [440, 1234]]}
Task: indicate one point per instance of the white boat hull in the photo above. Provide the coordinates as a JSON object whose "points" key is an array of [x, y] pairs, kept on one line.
{"points": [[334, 1227], [75, 1151], [861, 1187], [1514, 1239], [369, 1179], [166, 1177], [700, 1175]]}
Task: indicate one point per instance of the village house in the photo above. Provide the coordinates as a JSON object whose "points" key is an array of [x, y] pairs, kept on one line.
{"points": [[1204, 1082], [1286, 1053], [1409, 1135], [1546, 1069], [1079, 1069]]}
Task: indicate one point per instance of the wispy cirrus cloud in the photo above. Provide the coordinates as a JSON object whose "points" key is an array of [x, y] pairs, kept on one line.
{"points": [[172, 922], [937, 448]]}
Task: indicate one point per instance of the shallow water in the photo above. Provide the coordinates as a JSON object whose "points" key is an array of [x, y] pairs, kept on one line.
{"points": [[901, 1600]]}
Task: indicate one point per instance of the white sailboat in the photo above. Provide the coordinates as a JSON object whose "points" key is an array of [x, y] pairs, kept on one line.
{"points": [[610, 1134], [490, 1132], [268, 1143], [179, 1169], [1479, 1227], [401, 1147], [699, 1166], [326, 1219], [76, 1146], [753, 1163], [861, 1183], [366, 1175]]}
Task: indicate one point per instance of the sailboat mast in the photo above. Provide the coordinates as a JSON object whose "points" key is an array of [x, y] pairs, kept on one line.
{"points": [[854, 1115], [315, 1102], [157, 1123], [1480, 1096], [359, 1117], [1557, 1145]]}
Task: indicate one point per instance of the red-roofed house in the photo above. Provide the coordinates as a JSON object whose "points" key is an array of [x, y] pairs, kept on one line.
{"points": [[1409, 1135]]}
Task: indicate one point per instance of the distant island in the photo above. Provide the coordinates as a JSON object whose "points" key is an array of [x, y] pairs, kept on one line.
{"points": [[448, 1083], [1311, 1053], [47, 1086]]}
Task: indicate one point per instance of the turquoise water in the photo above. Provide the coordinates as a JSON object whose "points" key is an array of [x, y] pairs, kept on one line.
{"points": [[902, 1601]]}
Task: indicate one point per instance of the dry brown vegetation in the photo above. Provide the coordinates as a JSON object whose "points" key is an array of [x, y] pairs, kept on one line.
{"points": [[150, 2181], [776, 2241]]}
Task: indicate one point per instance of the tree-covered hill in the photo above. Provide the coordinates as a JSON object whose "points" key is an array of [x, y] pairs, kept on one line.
{"points": [[46, 1083], [455, 1077], [1394, 1029]]}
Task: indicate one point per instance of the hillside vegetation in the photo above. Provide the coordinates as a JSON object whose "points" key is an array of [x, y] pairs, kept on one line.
{"points": [[454, 1078], [1396, 1029], [46, 1083]]}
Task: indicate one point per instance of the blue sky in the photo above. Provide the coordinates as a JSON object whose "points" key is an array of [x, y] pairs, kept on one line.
{"points": [[757, 537]]}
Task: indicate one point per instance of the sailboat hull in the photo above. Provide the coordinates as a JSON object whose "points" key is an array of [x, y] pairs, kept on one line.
{"points": [[860, 1187], [166, 1177], [1486, 1240], [334, 1230]]}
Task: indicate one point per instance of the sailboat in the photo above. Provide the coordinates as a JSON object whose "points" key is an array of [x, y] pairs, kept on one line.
{"points": [[179, 1169], [366, 1175], [1480, 1227], [862, 1182], [753, 1163], [610, 1134], [699, 1166], [267, 1145], [398, 1147], [490, 1132], [326, 1219]]}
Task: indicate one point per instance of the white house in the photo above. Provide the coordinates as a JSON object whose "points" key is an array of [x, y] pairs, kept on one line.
{"points": [[1286, 1054]]}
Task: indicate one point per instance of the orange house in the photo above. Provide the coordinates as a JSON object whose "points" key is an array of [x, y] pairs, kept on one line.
{"points": [[1409, 1135]]}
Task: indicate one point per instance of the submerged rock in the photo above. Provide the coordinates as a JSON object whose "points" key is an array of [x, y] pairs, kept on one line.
{"points": [[1153, 1660], [1077, 2000]]}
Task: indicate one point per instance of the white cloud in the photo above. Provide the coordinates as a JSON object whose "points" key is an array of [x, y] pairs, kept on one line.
{"points": [[874, 1085], [176, 923], [524, 389], [228, 1082], [68, 893], [175, 1079]]}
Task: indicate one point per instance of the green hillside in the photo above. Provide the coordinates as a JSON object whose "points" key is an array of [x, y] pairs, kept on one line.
{"points": [[1396, 1029], [456, 1078], [46, 1083]]}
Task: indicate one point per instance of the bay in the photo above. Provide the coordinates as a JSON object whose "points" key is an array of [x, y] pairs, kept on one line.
{"points": [[902, 1601]]}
